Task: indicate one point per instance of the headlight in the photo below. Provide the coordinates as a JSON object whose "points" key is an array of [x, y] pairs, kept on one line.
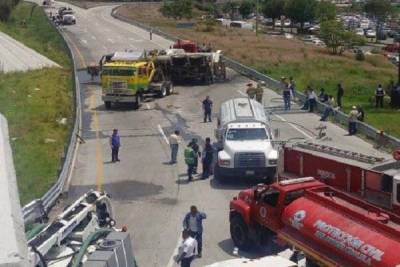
{"points": [[272, 161], [224, 162]]}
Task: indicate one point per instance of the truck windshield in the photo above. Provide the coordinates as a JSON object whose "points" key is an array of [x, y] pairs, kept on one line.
{"points": [[246, 134]]}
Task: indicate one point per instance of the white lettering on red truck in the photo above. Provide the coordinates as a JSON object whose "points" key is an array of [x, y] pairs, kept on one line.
{"points": [[325, 174], [347, 243]]}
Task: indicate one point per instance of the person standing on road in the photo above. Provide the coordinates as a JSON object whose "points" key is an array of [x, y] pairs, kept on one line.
{"points": [[115, 144], [193, 144], [187, 250], [312, 100], [174, 140], [286, 94], [379, 95], [151, 34], [207, 108], [208, 154], [353, 117], [193, 222], [251, 91], [292, 86], [340, 94], [189, 160], [260, 91], [361, 113]]}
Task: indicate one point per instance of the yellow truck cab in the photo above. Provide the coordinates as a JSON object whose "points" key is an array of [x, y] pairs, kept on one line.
{"points": [[126, 77]]}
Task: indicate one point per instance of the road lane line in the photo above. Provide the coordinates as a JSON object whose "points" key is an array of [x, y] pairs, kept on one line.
{"points": [[99, 150], [171, 261], [163, 134], [82, 60], [110, 40], [293, 126]]}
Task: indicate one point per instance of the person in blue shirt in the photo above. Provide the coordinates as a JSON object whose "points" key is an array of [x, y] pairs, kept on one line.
{"points": [[193, 222], [115, 144]]}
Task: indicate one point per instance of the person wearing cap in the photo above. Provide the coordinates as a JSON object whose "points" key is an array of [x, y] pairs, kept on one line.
{"points": [[251, 91], [196, 150], [260, 91], [115, 144], [353, 117]]}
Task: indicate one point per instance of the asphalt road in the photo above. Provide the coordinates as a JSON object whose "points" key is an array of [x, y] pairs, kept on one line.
{"points": [[15, 56], [150, 196]]}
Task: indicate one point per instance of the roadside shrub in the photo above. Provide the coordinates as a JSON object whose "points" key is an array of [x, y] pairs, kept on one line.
{"points": [[360, 55]]}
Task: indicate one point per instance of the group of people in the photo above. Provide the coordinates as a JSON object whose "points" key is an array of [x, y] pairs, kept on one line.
{"points": [[256, 92]]}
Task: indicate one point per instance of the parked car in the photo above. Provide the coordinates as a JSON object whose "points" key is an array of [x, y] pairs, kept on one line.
{"points": [[309, 38], [360, 31], [370, 34]]}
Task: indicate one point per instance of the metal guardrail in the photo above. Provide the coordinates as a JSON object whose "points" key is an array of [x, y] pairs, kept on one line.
{"points": [[340, 117], [39, 207]]}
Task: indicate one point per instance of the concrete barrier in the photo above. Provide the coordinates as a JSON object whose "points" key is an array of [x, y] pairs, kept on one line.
{"points": [[13, 249]]}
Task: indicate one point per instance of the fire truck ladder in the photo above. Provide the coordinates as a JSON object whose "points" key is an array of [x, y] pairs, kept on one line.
{"points": [[340, 152]]}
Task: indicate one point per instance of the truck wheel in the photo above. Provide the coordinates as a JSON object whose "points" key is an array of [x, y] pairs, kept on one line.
{"points": [[311, 263], [170, 89], [240, 233], [218, 175], [163, 91], [136, 104], [107, 104]]}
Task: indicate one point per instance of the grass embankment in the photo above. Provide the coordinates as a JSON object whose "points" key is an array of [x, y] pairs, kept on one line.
{"points": [[33, 102], [277, 57]]}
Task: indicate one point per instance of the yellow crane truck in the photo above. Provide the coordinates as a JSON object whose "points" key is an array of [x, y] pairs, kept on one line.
{"points": [[126, 77]]}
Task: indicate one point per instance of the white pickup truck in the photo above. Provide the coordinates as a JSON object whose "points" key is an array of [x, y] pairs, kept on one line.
{"points": [[245, 137]]}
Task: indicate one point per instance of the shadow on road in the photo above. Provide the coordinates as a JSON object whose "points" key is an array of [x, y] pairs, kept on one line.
{"points": [[234, 184]]}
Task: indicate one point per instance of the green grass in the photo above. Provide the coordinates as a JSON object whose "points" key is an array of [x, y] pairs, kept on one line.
{"points": [[33, 102]]}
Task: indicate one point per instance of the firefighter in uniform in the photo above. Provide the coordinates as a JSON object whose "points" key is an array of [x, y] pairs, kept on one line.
{"points": [[260, 91], [251, 91]]}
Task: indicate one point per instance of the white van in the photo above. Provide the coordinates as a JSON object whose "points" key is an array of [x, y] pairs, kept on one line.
{"points": [[245, 137], [268, 261]]}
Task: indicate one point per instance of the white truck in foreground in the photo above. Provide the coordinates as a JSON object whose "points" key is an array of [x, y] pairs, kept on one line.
{"points": [[245, 140]]}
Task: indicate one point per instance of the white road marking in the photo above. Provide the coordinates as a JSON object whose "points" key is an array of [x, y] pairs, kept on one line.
{"points": [[163, 134], [293, 126], [84, 41], [110, 40], [171, 261]]}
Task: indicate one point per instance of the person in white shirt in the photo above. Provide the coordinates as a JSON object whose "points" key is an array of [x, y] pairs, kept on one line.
{"points": [[187, 250], [193, 222], [174, 140], [312, 99]]}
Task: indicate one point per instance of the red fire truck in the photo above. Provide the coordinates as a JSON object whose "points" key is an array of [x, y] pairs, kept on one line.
{"points": [[331, 227], [374, 179]]}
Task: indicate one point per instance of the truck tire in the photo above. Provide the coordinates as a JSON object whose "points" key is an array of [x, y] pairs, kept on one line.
{"points": [[240, 233], [218, 175], [170, 88], [136, 104], [163, 91], [107, 104], [311, 263]]}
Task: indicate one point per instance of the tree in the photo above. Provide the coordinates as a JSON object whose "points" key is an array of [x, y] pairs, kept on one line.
{"points": [[246, 8], [230, 8], [6, 7], [273, 9], [177, 9], [336, 38], [325, 10], [300, 11]]}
